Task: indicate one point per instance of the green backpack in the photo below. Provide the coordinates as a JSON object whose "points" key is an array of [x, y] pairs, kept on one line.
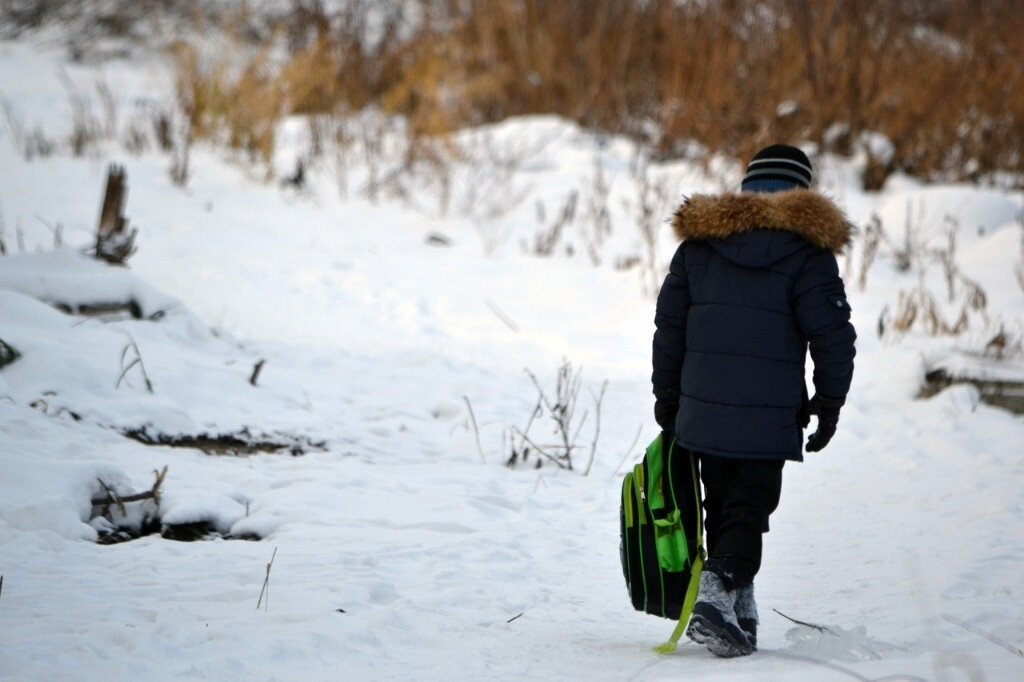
{"points": [[662, 535]]}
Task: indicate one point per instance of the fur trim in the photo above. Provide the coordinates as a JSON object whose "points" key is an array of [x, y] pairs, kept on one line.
{"points": [[809, 214]]}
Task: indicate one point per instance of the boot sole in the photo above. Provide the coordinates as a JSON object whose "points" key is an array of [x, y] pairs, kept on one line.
{"points": [[719, 641]]}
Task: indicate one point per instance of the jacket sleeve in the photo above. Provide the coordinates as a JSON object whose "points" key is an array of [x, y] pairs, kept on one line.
{"points": [[823, 315], [670, 327]]}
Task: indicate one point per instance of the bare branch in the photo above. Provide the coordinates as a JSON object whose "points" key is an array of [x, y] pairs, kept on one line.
{"points": [[562, 411], [579, 428], [543, 398], [598, 399], [533, 415]]}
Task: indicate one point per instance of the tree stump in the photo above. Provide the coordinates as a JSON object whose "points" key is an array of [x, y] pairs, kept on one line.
{"points": [[114, 241]]}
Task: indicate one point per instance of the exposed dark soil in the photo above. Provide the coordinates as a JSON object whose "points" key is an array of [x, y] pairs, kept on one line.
{"points": [[232, 444]]}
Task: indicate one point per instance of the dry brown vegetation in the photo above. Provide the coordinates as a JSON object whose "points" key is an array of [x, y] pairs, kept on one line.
{"points": [[943, 80]]}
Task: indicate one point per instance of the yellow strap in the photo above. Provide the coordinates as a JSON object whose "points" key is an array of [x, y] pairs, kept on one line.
{"points": [[684, 615], [691, 589]]}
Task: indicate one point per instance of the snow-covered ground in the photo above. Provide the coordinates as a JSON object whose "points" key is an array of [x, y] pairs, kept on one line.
{"points": [[398, 551]]}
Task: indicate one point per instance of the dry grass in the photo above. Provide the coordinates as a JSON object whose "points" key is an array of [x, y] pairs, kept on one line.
{"points": [[918, 308], [943, 81], [966, 304]]}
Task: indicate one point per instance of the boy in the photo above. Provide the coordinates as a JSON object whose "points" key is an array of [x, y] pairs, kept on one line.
{"points": [[754, 284]]}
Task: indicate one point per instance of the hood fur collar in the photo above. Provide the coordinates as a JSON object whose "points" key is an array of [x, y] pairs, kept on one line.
{"points": [[808, 214]]}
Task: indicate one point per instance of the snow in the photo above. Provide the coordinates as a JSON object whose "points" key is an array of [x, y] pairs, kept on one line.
{"points": [[398, 551]]}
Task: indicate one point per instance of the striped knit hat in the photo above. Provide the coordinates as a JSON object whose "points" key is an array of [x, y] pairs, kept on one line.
{"points": [[776, 168]]}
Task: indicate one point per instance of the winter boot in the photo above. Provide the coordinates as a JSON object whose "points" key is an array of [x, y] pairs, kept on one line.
{"points": [[713, 622], [746, 613]]}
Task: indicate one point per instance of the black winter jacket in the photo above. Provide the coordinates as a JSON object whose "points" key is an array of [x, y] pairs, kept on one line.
{"points": [[753, 285]]}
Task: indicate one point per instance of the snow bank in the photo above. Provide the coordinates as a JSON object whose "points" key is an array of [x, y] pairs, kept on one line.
{"points": [[397, 552], [68, 279]]}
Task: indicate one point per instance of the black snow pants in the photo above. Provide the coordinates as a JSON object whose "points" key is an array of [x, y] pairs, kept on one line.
{"points": [[739, 495]]}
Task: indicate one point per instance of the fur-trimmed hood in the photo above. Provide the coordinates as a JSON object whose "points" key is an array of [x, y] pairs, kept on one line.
{"points": [[799, 211]]}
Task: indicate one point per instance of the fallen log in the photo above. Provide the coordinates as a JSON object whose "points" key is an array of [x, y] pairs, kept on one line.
{"points": [[999, 383]]}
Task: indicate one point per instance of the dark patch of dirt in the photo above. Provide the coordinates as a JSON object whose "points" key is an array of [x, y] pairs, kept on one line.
{"points": [[183, 532], [230, 444]]}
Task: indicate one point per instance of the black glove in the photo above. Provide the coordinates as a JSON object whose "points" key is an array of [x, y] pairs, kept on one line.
{"points": [[666, 405], [827, 411]]}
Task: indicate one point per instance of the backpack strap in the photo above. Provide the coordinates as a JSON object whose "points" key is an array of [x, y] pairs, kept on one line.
{"points": [[669, 646]]}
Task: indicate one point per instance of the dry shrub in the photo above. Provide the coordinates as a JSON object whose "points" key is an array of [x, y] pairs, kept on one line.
{"points": [[1005, 344], [257, 105], [917, 307], [200, 90], [237, 106], [597, 220], [871, 238], [310, 79], [738, 74], [942, 81]]}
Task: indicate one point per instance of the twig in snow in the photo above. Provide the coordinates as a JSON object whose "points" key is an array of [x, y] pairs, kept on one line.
{"points": [[256, 372], [501, 315], [522, 443], [266, 582], [987, 635], [513, 618], [476, 429], [155, 490], [556, 460], [113, 498], [568, 425], [567, 388], [137, 361], [819, 628], [1, 584]]}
